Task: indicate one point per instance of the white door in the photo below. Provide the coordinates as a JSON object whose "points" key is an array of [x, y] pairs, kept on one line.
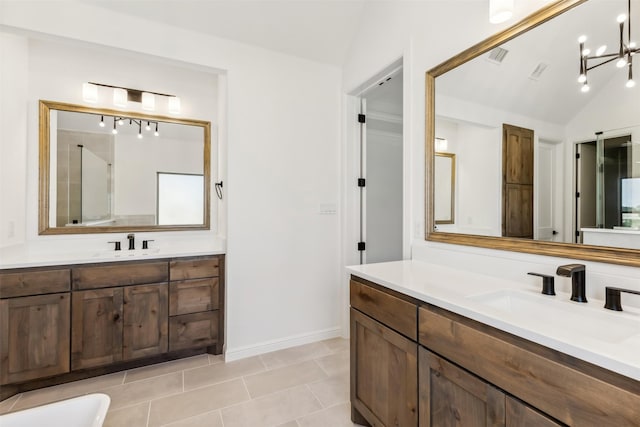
{"points": [[548, 176]]}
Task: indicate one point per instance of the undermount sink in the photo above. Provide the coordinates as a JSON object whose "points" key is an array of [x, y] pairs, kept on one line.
{"points": [[555, 312], [126, 253]]}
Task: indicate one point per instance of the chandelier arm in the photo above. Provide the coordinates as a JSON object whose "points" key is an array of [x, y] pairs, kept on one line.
{"points": [[602, 63]]}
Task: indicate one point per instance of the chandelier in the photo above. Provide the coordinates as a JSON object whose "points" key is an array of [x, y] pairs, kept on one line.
{"points": [[623, 57]]}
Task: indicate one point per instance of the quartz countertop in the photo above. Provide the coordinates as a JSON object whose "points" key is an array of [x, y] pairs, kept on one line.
{"points": [[586, 331], [29, 256]]}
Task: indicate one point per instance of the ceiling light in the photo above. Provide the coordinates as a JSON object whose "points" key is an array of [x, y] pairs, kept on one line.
{"points": [[89, 93], [156, 133], [148, 101], [441, 144], [174, 105], [114, 130], [621, 57], [500, 10], [101, 124], [120, 122], [148, 127], [630, 82]]}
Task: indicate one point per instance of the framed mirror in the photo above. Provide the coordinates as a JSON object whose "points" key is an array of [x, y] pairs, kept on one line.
{"points": [[444, 168], [107, 171], [545, 164]]}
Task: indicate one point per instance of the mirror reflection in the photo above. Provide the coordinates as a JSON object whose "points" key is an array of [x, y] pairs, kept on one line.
{"points": [[125, 171], [538, 156]]}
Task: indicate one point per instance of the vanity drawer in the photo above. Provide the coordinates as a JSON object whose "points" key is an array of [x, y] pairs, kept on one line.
{"points": [[567, 389], [34, 282], [193, 296], [194, 268], [389, 310], [105, 276], [193, 330]]}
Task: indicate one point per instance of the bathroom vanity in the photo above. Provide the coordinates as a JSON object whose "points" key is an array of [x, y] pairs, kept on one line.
{"points": [[66, 322], [430, 346]]}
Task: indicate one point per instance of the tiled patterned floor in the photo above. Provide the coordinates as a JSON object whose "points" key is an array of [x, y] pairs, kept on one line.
{"points": [[306, 386]]}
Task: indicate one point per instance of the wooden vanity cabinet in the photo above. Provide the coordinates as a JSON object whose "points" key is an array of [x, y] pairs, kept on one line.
{"points": [[384, 358], [70, 322], [34, 323], [196, 315], [469, 373]]}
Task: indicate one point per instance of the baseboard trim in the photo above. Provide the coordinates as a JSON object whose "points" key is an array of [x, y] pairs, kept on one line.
{"points": [[280, 344]]}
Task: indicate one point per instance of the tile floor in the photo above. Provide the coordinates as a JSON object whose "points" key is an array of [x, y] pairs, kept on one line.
{"points": [[305, 386]]}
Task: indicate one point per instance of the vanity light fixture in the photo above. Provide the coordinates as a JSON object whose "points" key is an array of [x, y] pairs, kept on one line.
{"points": [[122, 95], [623, 57], [148, 101], [90, 93], [500, 10]]}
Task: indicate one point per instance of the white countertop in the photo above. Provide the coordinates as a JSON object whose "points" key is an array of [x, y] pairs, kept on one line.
{"points": [[584, 330], [25, 256]]}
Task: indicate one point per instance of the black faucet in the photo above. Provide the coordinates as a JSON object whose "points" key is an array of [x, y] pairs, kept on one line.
{"points": [[547, 283], [132, 241], [577, 274], [612, 295]]}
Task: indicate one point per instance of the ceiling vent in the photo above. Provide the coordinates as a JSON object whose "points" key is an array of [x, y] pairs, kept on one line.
{"points": [[535, 75], [497, 55]]}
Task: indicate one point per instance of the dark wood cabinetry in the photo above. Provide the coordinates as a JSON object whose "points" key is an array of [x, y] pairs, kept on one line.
{"points": [[384, 373], [469, 373], [95, 318], [34, 337]]}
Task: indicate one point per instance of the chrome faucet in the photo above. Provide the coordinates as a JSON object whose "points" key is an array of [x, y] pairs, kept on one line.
{"points": [[132, 241], [577, 273]]}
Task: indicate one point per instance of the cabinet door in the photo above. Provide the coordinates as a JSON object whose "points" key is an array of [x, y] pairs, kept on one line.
{"points": [[146, 319], [34, 337], [384, 374], [521, 415], [97, 328], [450, 396]]}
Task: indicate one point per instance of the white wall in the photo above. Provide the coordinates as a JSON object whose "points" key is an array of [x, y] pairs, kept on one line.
{"points": [[425, 34], [282, 256], [13, 134]]}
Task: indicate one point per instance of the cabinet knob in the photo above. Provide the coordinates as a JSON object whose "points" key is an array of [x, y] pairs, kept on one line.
{"points": [[116, 317]]}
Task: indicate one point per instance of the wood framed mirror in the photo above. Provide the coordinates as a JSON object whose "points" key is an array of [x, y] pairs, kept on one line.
{"points": [[461, 105], [108, 171]]}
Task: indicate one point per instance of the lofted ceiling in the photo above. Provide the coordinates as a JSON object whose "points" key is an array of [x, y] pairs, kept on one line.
{"points": [[319, 30]]}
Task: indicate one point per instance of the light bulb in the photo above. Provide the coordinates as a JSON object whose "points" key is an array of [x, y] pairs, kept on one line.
{"points": [[90, 93], [630, 83], [101, 124], [621, 62], [585, 88], [120, 122], [586, 52], [119, 97], [582, 78], [602, 49], [621, 18], [139, 136], [582, 39], [148, 101], [148, 127], [156, 133], [632, 45], [114, 131]]}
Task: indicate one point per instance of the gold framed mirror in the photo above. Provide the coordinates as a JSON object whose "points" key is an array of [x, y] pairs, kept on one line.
{"points": [[108, 171], [549, 24]]}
